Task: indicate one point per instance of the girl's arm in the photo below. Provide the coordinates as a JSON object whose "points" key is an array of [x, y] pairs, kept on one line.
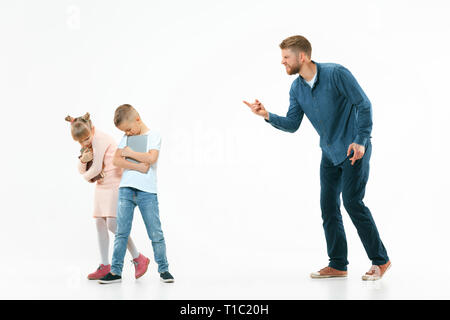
{"points": [[81, 167], [97, 163]]}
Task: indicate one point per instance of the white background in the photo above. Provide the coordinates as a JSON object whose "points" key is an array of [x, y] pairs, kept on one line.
{"points": [[239, 200]]}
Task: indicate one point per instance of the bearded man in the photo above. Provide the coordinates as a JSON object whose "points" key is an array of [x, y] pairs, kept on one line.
{"points": [[341, 114]]}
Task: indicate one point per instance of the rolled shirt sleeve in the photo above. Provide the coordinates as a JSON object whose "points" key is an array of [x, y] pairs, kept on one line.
{"points": [[348, 86], [291, 122]]}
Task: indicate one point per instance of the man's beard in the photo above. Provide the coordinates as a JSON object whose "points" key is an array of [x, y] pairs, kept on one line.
{"points": [[293, 69]]}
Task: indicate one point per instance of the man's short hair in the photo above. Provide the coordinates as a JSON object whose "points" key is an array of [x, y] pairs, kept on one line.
{"points": [[297, 43]]}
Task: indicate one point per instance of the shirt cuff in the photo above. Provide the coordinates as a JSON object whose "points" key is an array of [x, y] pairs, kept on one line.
{"points": [[270, 117], [361, 140]]}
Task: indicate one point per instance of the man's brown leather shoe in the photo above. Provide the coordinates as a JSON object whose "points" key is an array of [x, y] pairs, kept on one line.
{"points": [[329, 272]]}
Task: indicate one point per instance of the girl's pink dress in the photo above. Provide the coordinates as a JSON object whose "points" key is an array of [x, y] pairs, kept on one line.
{"points": [[106, 193]]}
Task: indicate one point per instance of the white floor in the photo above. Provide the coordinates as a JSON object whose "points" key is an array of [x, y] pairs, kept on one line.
{"points": [[54, 280], [222, 246]]}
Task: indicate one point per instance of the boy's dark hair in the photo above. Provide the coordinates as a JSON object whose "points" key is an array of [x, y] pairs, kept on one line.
{"points": [[124, 112]]}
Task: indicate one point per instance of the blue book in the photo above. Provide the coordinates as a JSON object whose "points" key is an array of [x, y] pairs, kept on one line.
{"points": [[137, 143]]}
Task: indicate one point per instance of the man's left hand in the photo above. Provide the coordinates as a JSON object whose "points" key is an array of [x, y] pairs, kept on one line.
{"points": [[358, 152]]}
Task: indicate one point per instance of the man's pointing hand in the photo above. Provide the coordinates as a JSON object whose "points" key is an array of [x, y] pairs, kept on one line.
{"points": [[258, 108]]}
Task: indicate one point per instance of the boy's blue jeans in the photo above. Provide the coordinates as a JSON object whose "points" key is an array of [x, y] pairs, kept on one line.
{"points": [[351, 181], [147, 203]]}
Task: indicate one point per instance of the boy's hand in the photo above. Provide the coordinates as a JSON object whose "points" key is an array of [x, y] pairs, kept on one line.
{"points": [[127, 152], [143, 167]]}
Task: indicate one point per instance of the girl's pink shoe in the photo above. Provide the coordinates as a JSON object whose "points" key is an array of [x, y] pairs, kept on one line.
{"points": [[141, 265], [101, 271]]}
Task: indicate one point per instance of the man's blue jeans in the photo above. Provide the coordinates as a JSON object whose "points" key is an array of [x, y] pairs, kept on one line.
{"points": [[147, 203], [351, 181]]}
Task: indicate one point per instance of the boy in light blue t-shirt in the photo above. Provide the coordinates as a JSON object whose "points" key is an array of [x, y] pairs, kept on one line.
{"points": [[137, 188]]}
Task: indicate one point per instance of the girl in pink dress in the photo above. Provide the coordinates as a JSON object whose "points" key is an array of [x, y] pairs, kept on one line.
{"points": [[100, 148]]}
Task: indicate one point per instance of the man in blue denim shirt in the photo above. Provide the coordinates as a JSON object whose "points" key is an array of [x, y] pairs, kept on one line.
{"points": [[341, 114]]}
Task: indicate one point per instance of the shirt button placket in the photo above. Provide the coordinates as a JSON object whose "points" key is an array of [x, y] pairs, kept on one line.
{"points": [[317, 113]]}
